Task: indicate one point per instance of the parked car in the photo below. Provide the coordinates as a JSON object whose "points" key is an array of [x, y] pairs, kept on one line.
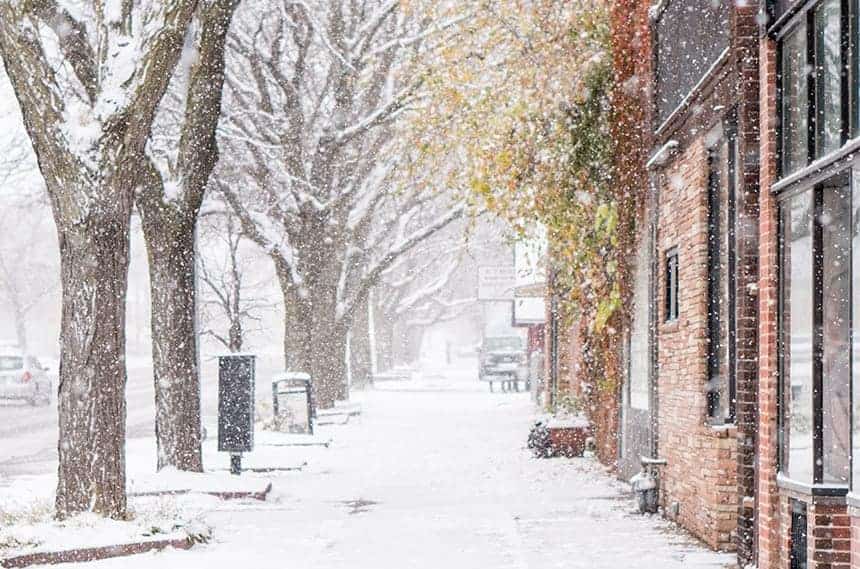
{"points": [[503, 359], [23, 378]]}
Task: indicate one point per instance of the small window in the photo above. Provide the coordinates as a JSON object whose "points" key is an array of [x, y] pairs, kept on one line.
{"points": [[672, 285], [798, 535]]}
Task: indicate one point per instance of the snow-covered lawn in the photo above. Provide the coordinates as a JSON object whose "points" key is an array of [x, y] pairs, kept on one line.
{"points": [[434, 474]]}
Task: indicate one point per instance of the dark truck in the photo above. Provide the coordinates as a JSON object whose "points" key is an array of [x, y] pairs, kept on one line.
{"points": [[503, 359]]}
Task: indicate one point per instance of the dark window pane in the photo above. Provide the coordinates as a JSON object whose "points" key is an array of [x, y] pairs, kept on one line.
{"points": [[796, 337], [691, 35], [799, 529], [721, 281], [855, 262], [672, 301], [828, 77], [795, 103], [836, 353]]}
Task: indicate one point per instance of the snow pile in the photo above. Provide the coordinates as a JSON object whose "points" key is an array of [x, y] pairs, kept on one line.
{"points": [[31, 528]]}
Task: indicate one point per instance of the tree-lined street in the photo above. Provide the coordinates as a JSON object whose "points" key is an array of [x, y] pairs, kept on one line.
{"points": [[392, 493]]}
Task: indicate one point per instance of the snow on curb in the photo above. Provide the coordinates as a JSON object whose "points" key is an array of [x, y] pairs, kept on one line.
{"points": [[171, 482], [266, 438], [96, 553], [33, 537]]}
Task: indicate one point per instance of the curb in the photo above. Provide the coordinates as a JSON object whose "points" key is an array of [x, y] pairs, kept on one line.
{"points": [[95, 553], [333, 420], [240, 495], [322, 444]]}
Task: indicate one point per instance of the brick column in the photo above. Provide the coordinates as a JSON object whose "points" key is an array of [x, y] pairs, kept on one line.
{"points": [[745, 32], [855, 537], [829, 534], [767, 494]]}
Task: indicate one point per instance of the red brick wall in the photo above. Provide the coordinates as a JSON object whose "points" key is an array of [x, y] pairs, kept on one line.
{"points": [[701, 474], [855, 538], [746, 63], [828, 533], [770, 545]]}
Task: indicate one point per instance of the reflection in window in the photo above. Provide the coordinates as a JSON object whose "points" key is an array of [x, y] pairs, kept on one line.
{"points": [[836, 294], [856, 310], [796, 337], [795, 109], [816, 263], [828, 77], [721, 280]]}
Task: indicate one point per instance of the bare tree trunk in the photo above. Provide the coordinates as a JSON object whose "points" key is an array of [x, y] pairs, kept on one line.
{"points": [[174, 346], [411, 347], [359, 345], [384, 340], [320, 346], [91, 399], [294, 356], [169, 228]]}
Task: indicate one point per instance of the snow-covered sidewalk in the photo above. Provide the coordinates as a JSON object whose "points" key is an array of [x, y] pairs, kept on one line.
{"points": [[434, 474]]}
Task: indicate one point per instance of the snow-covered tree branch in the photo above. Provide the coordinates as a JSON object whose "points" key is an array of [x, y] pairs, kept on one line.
{"points": [[315, 170]]}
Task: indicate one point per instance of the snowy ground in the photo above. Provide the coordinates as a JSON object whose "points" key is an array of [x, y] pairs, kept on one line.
{"points": [[434, 474]]}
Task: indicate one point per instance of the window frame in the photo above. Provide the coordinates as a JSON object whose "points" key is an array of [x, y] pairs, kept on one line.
{"points": [[727, 277], [658, 11], [804, 13], [672, 274], [817, 189]]}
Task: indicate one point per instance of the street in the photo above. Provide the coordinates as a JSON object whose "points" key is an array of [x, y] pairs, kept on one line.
{"points": [[434, 474], [28, 435]]}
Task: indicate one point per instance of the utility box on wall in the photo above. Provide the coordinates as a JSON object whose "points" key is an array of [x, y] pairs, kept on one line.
{"points": [[236, 403]]}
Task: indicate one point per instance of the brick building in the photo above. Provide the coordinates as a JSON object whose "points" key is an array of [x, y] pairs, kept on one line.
{"points": [[740, 350], [809, 285], [697, 266], [688, 71]]}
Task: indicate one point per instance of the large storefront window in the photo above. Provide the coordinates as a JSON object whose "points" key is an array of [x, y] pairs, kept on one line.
{"points": [[796, 337], [836, 323], [855, 351], [816, 260], [813, 85]]}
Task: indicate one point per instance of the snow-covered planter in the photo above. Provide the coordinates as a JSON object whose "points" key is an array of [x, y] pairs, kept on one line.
{"points": [[568, 436]]}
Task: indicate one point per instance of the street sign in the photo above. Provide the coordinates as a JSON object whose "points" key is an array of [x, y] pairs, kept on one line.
{"points": [[496, 282]]}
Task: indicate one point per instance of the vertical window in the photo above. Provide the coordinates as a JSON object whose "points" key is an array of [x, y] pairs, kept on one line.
{"points": [[672, 301], [794, 101], [640, 355], [828, 77], [798, 551], [796, 337], [835, 293], [815, 337], [721, 283], [855, 350]]}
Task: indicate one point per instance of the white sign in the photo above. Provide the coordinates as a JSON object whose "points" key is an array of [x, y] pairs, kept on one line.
{"points": [[496, 283], [529, 310]]}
